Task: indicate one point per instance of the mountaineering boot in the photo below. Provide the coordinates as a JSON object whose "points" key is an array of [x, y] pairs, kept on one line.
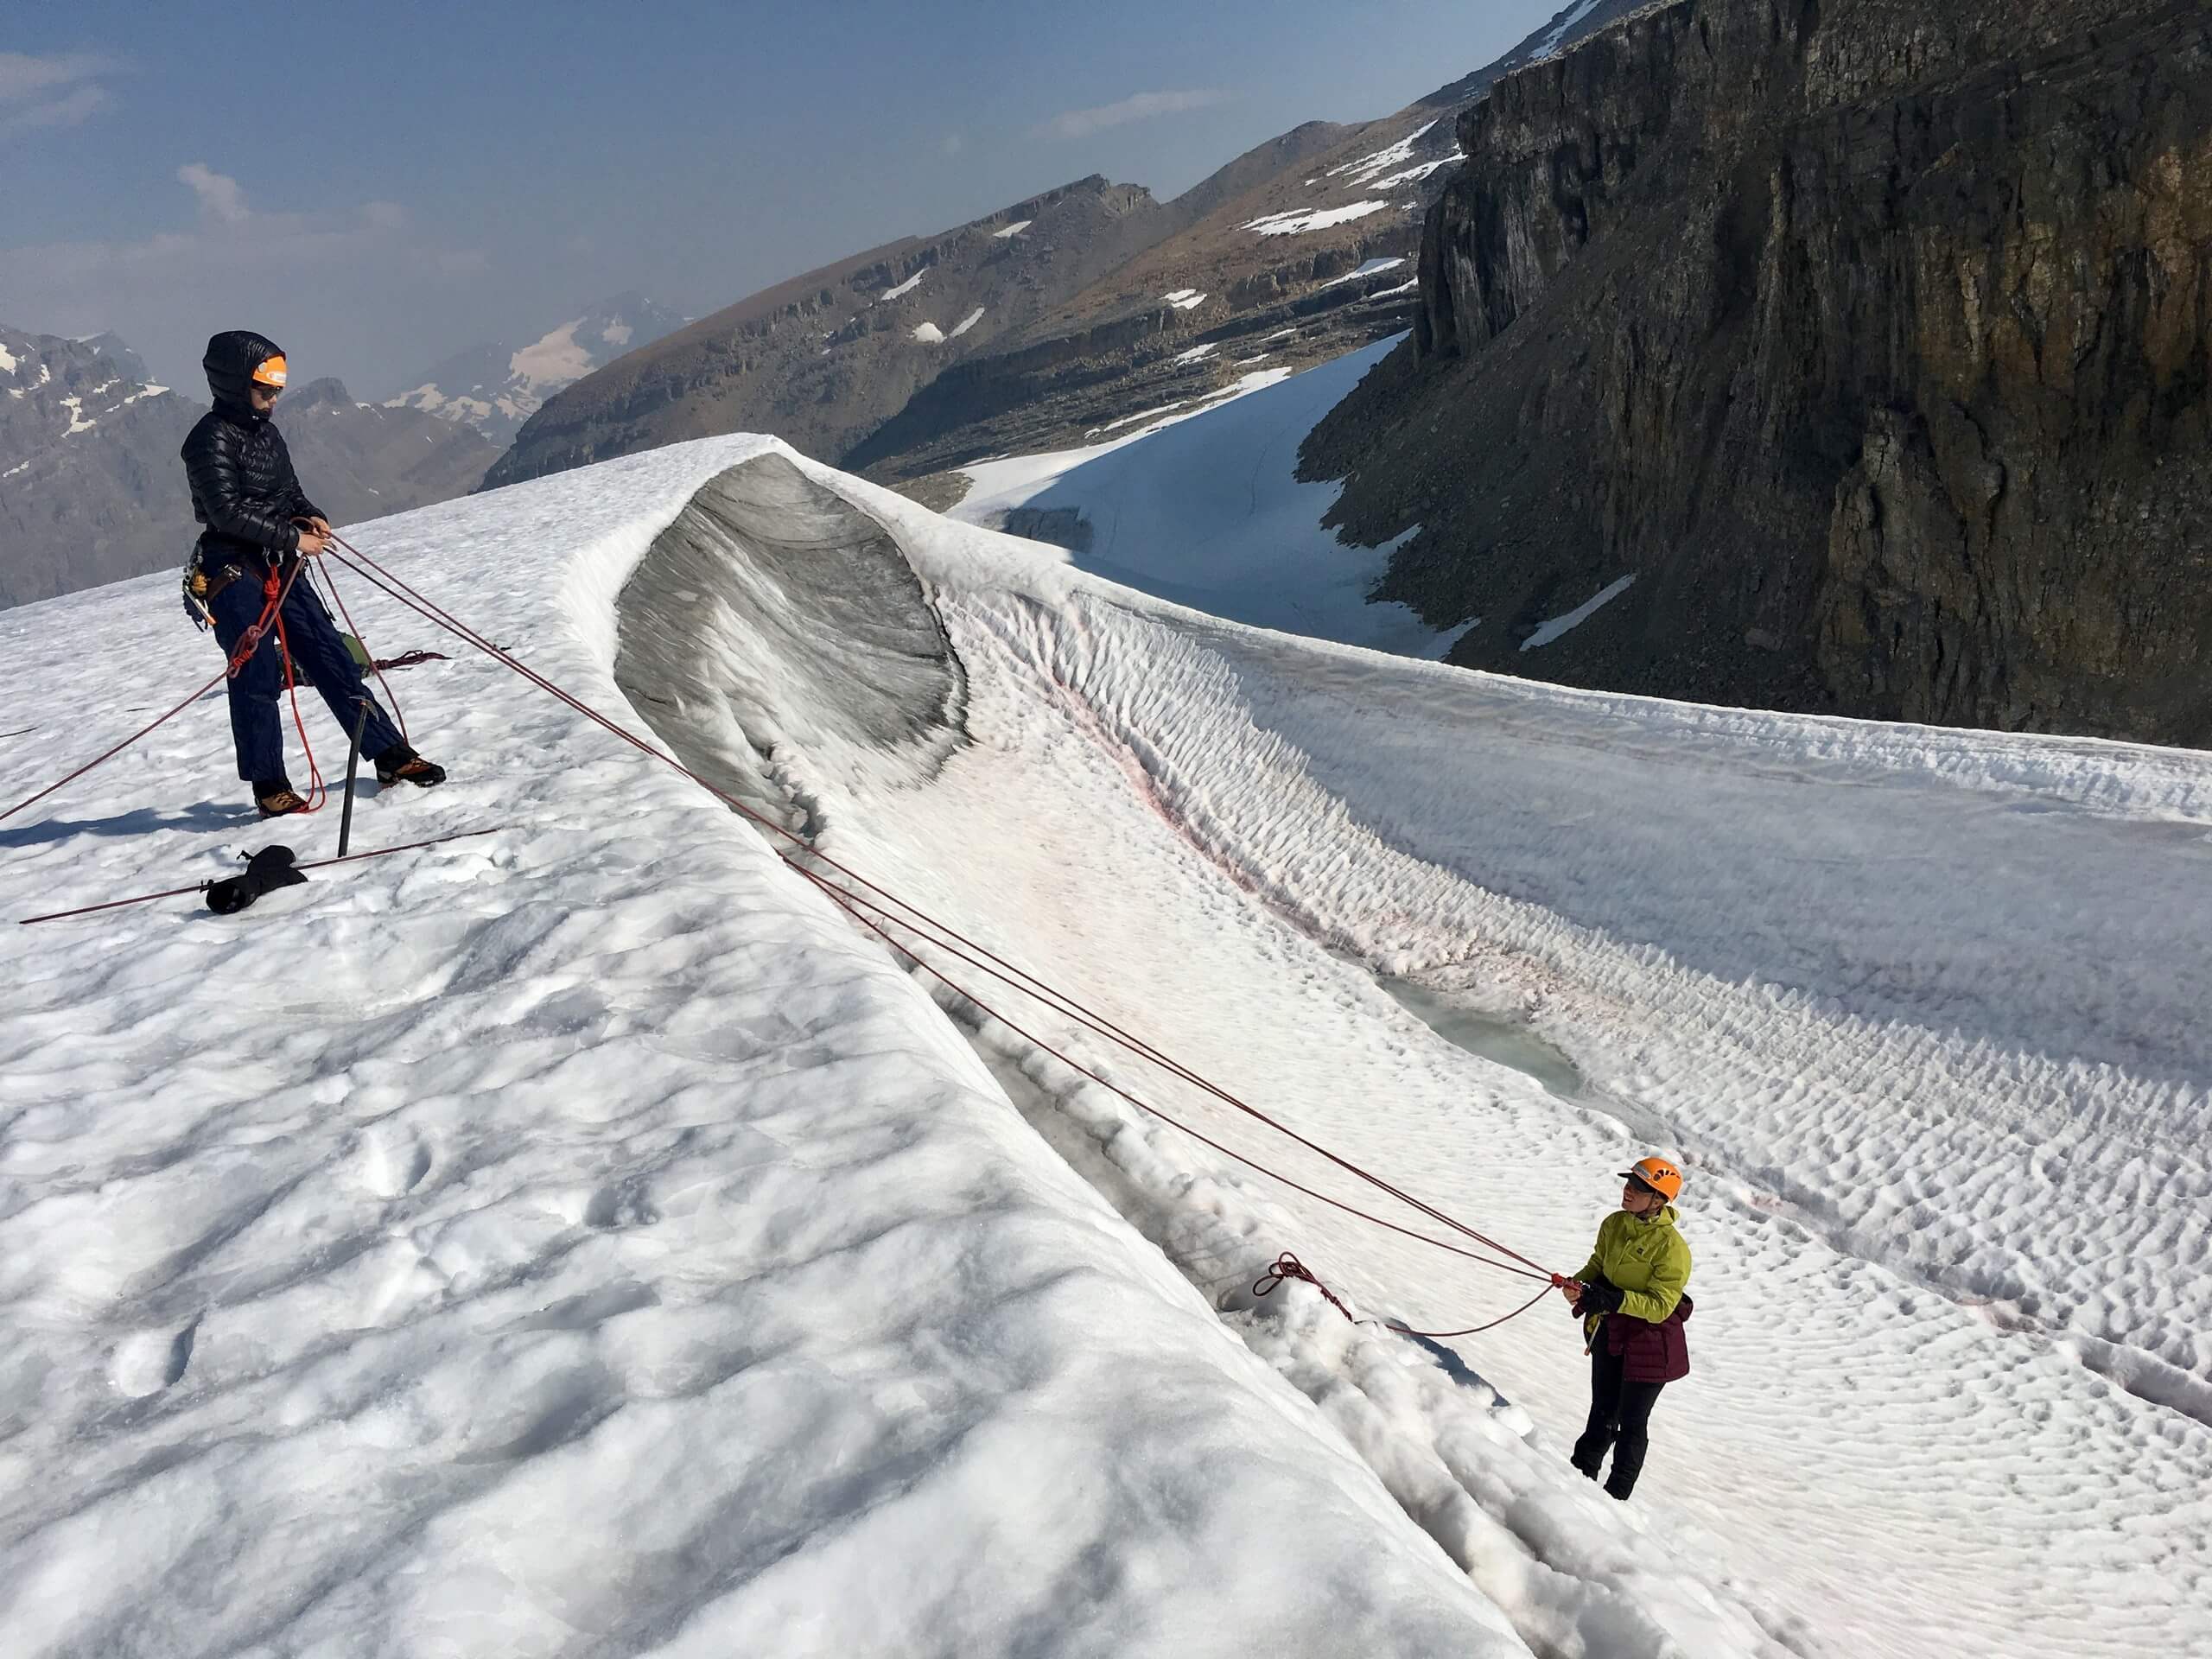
{"points": [[276, 797], [400, 763]]}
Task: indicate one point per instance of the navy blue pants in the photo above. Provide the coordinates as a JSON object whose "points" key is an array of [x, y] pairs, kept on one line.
{"points": [[256, 724]]}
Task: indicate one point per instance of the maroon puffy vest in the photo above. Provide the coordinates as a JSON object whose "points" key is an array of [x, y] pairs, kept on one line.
{"points": [[1651, 1353]]}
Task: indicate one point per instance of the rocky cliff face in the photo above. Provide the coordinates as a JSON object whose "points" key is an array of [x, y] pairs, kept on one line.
{"points": [[1869, 337]]}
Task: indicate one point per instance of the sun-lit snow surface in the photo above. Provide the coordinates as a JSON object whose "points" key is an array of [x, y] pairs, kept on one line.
{"points": [[579, 1241], [1367, 268], [1575, 15], [1921, 1011], [1296, 223], [1369, 171], [1204, 509]]}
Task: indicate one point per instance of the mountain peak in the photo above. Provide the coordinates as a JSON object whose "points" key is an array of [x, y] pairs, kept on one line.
{"points": [[493, 387]]}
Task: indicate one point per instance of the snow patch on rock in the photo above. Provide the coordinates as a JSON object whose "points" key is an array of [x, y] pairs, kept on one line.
{"points": [[1297, 222]]}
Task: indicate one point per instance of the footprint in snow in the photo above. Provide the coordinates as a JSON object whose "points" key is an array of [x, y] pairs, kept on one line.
{"points": [[395, 1162], [153, 1360]]}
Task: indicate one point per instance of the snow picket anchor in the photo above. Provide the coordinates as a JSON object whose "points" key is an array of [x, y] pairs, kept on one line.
{"points": [[352, 769]]}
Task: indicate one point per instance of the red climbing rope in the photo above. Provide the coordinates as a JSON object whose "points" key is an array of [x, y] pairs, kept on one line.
{"points": [[248, 644], [938, 934], [919, 923], [1288, 1266], [317, 792], [841, 897], [110, 754], [1067, 1006], [397, 714], [313, 864], [272, 614]]}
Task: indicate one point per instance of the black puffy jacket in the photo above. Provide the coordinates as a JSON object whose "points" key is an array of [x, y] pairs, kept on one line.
{"points": [[243, 488]]}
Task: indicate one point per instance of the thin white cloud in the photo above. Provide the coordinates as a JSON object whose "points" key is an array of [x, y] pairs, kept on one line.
{"points": [[1138, 107], [952, 144], [52, 92], [219, 192], [24, 76], [64, 111]]}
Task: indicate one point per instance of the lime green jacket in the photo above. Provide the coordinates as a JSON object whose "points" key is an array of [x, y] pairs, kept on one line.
{"points": [[1646, 1257]]}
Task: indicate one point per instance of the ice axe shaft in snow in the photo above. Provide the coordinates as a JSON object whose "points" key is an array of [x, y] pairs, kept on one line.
{"points": [[352, 768]]}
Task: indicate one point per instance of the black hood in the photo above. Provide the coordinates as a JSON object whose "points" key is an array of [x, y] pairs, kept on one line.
{"points": [[231, 360]]}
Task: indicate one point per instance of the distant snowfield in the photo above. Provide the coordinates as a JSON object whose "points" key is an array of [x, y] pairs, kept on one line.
{"points": [[1203, 509], [1298, 221], [1366, 268], [584, 1240], [556, 360], [1549, 630], [1391, 159]]}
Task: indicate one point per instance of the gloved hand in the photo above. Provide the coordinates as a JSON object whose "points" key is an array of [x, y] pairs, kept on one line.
{"points": [[266, 871], [1599, 1298]]}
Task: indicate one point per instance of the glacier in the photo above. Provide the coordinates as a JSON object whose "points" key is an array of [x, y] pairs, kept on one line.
{"points": [[585, 1239]]}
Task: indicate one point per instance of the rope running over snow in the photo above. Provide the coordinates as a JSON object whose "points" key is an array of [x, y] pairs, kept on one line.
{"points": [[937, 933]]}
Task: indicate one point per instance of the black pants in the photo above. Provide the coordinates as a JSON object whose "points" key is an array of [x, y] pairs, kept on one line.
{"points": [[1620, 1413]]}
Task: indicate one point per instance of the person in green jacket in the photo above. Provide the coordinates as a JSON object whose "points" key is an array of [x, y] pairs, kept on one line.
{"points": [[1630, 1295]]}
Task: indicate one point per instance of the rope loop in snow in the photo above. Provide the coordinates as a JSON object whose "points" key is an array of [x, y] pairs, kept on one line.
{"points": [[1288, 1266]]}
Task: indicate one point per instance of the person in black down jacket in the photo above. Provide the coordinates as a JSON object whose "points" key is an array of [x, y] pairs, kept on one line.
{"points": [[259, 520]]}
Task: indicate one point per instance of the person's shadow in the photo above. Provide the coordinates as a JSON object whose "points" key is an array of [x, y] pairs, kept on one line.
{"points": [[204, 815]]}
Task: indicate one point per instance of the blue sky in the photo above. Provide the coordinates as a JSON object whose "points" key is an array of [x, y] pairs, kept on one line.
{"points": [[378, 185]]}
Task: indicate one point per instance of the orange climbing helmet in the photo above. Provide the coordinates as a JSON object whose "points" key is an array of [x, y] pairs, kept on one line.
{"points": [[1658, 1175]]}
